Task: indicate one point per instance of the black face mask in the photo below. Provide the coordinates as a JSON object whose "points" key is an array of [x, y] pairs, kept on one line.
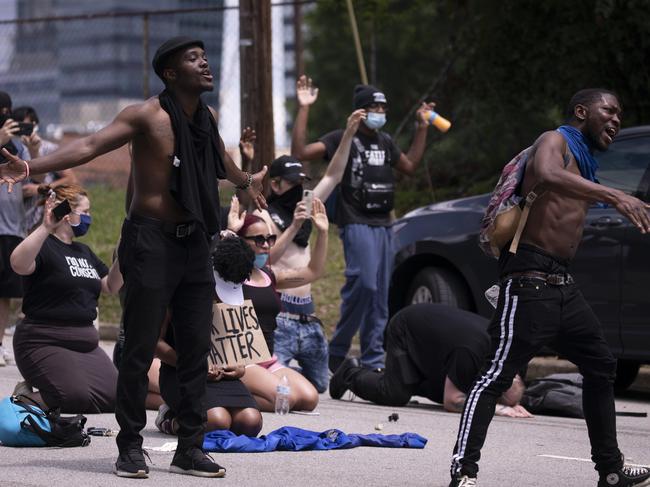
{"points": [[281, 208]]}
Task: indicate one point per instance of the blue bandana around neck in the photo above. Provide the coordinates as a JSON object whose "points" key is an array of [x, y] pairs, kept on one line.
{"points": [[581, 150]]}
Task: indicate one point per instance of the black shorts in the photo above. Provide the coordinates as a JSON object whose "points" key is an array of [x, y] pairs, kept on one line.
{"points": [[11, 284]]}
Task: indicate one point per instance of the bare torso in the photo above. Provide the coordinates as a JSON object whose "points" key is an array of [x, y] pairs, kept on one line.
{"points": [[555, 222], [153, 156]]}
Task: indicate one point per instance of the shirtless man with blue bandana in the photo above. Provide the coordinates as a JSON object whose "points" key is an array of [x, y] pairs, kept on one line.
{"points": [[539, 304]]}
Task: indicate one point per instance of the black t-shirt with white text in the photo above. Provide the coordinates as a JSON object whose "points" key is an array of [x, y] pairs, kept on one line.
{"points": [[65, 285], [379, 150]]}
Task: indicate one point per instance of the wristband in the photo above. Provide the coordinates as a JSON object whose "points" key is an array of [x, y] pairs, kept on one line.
{"points": [[227, 233], [247, 184]]}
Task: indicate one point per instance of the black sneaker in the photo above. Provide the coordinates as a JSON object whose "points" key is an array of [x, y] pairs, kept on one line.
{"points": [[131, 464], [195, 462], [627, 476], [334, 362], [463, 481], [340, 381]]}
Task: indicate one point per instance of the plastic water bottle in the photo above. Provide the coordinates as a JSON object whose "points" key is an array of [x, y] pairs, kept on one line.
{"points": [[282, 396], [439, 122]]}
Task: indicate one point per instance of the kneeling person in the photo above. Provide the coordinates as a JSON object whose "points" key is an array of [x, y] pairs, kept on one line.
{"points": [[434, 351]]}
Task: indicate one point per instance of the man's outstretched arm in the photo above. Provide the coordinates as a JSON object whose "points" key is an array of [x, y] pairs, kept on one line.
{"points": [[125, 126]]}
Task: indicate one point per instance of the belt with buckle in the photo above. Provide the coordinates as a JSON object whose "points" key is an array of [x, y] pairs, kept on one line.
{"points": [[302, 318], [178, 230], [552, 279]]}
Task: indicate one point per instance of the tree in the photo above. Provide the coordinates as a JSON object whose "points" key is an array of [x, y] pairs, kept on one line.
{"points": [[512, 67]]}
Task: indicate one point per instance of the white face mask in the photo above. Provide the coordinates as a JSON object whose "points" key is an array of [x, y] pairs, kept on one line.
{"points": [[375, 120]]}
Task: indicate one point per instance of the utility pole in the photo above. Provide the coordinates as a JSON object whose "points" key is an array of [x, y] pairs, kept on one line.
{"points": [[256, 77]]}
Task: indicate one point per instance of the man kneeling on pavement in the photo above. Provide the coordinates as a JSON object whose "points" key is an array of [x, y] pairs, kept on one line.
{"points": [[434, 351]]}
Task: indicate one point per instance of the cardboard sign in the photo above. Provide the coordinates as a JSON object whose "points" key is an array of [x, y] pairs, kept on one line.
{"points": [[237, 337]]}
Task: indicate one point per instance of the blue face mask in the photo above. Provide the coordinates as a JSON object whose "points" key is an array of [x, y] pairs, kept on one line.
{"points": [[375, 120], [261, 260], [82, 227]]}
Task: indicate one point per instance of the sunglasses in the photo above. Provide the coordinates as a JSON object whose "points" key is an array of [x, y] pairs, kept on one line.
{"points": [[260, 240]]}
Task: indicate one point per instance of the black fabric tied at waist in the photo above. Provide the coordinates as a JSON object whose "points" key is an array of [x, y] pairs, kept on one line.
{"points": [[550, 279], [178, 230]]}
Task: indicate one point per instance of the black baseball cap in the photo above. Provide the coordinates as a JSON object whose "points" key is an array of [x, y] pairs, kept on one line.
{"points": [[168, 48], [289, 168]]}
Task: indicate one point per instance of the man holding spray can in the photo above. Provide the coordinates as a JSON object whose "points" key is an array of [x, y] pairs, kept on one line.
{"points": [[364, 201]]}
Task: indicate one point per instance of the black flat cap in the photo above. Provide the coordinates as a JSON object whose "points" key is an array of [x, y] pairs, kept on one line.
{"points": [[168, 48]]}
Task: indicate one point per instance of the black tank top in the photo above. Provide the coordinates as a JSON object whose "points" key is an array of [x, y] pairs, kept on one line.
{"points": [[267, 306]]}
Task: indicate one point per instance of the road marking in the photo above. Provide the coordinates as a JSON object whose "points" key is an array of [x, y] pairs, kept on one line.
{"points": [[575, 459]]}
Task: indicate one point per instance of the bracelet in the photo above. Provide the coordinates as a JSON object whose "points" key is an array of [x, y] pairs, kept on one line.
{"points": [[227, 233], [248, 183], [26, 167]]}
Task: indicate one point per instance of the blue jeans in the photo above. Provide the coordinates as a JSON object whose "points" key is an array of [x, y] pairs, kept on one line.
{"points": [[306, 343], [364, 295]]}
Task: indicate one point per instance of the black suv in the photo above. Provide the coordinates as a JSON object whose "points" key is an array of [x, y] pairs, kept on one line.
{"points": [[437, 257]]}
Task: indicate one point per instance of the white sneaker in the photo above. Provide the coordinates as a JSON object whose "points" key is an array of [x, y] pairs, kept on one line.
{"points": [[164, 421]]}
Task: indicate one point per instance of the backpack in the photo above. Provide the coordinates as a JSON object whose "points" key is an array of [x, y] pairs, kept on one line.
{"points": [[504, 218], [556, 395], [507, 211], [24, 424]]}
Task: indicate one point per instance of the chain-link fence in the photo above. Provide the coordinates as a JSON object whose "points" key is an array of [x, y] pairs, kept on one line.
{"points": [[78, 63]]}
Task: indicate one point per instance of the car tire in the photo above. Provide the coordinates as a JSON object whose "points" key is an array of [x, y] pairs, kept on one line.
{"points": [[438, 285], [626, 372]]}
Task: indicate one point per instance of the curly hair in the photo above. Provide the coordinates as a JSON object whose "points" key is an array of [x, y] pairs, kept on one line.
{"points": [[233, 259], [70, 192]]}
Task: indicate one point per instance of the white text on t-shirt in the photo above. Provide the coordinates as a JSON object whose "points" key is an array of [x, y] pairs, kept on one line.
{"points": [[81, 268]]}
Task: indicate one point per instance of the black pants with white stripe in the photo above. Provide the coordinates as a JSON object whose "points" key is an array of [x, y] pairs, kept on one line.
{"points": [[531, 314]]}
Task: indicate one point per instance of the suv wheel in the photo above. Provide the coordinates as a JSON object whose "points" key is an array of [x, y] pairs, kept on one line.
{"points": [[626, 372], [438, 285]]}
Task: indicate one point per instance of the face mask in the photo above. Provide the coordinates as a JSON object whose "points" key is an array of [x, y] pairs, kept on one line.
{"points": [[375, 120], [288, 199], [261, 260], [81, 228]]}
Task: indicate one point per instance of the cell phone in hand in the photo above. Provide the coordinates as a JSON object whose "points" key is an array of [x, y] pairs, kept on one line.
{"points": [[308, 199], [25, 128], [61, 210]]}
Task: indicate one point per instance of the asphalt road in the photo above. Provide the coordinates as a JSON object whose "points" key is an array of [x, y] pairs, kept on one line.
{"points": [[543, 451]]}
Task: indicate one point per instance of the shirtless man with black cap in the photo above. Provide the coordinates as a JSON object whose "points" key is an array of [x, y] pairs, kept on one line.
{"points": [[164, 255]]}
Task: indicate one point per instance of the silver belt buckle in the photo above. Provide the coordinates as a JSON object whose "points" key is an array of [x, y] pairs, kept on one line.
{"points": [[182, 230]]}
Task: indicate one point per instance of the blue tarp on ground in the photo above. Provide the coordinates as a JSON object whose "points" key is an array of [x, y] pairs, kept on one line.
{"points": [[289, 438]]}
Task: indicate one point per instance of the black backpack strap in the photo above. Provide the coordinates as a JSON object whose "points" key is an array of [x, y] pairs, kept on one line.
{"points": [[30, 424]]}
